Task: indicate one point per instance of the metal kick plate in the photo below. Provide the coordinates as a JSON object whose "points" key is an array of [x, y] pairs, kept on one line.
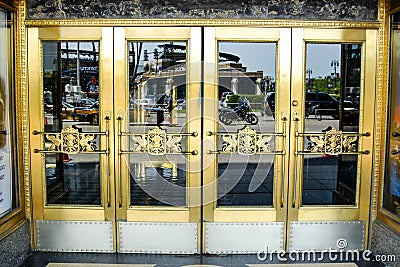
{"points": [[154, 237], [327, 235], [74, 236], [243, 238]]}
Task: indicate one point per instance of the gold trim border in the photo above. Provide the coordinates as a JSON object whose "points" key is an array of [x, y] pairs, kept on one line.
{"points": [[22, 103], [382, 104], [204, 22]]}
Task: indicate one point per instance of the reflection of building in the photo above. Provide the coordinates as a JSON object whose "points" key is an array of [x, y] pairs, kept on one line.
{"points": [[234, 77], [352, 69], [170, 63]]}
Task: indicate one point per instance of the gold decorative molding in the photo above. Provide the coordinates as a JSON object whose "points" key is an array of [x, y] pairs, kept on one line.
{"points": [[22, 103], [382, 106], [202, 22]]}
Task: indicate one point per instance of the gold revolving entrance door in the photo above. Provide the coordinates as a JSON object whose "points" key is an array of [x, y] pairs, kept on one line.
{"points": [[140, 138]]}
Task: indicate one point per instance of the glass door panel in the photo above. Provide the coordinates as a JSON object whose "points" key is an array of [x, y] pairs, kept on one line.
{"points": [[70, 93], [332, 107], [245, 170], [70, 135], [158, 101]]}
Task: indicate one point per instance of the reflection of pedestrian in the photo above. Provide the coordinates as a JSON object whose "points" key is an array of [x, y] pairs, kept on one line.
{"points": [[160, 109], [93, 86], [169, 107]]}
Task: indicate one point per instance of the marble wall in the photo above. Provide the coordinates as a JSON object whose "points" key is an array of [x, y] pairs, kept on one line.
{"points": [[344, 10], [15, 247], [385, 242]]}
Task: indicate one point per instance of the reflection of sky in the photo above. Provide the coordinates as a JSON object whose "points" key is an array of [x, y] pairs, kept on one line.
{"points": [[261, 56], [319, 58], [254, 56]]}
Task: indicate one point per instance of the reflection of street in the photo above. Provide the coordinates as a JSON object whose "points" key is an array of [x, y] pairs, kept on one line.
{"points": [[242, 180]]}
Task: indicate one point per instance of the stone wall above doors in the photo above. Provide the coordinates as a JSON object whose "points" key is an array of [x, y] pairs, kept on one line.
{"points": [[346, 10]]}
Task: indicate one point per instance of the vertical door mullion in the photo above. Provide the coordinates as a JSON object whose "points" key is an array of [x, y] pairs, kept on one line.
{"points": [[120, 121], [297, 113], [283, 118]]}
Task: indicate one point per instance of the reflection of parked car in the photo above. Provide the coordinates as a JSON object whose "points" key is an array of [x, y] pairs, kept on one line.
{"points": [[67, 110], [224, 98], [87, 102], [269, 104], [350, 113], [181, 104], [90, 114], [320, 102], [143, 102], [323, 103]]}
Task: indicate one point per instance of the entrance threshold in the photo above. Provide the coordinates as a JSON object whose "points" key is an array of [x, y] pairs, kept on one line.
{"points": [[56, 259]]}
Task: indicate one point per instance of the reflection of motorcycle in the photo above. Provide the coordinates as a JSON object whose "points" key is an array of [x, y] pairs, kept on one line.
{"points": [[239, 113]]}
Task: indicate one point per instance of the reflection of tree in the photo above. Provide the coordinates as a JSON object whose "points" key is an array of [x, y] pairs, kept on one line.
{"points": [[135, 53]]}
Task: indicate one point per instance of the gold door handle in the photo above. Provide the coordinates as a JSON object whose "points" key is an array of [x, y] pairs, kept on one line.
{"points": [[296, 155], [283, 160], [108, 160], [193, 153], [118, 178]]}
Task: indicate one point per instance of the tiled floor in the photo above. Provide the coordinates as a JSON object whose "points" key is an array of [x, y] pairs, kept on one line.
{"points": [[239, 184], [42, 259]]}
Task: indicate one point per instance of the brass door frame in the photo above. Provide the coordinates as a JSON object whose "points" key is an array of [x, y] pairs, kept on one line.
{"points": [[41, 211], [291, 73], [35, 37], [114, 182], [368, 83], [192, 36], [274, 35]]}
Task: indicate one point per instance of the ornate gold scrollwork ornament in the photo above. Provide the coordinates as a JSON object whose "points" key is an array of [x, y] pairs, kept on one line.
{"points": [[246, 142], [157, 142], [333, 142], [70, 141]]}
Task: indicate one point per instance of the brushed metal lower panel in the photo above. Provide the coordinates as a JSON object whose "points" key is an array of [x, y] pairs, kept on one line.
{"points": [[154, 237], [327, 235], [243, 238], [75, 236]]}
